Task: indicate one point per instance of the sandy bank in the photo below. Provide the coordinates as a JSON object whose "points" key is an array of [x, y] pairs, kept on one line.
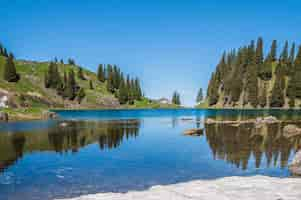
{"points": [[229, 188]]}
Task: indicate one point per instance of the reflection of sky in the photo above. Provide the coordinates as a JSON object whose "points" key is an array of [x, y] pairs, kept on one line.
{"points": [[171, 44], [160, 154]]}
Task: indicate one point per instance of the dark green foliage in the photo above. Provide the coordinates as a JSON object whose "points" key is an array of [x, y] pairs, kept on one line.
{"points": [[71, 61], [235, 78], [251, 78], [123, 93], [277, 97], [101, 73], [91, 85], [52, 76], [176, 98], [80, 74], [263, 96], [62, 61], [297, 74], [199, 97], [71, 87], [273, 52], [10, 73], [259, 52], [81, 95]]}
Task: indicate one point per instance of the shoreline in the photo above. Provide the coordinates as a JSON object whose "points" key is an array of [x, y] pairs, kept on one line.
{"points": [[234, 188]]}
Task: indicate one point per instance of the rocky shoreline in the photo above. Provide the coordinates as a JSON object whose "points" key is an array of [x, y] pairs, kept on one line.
{"points": [[228, 188]]}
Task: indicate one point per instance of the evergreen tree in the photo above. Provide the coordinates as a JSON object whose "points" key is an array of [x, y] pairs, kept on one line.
{"points": [[176, 98], [71, 87], [252, 83], [110, 79], [101, 73], [10, 73], [122, 93], [273, 51], [263, 96], [71, 61], [62, 61], [199, 97], [297, 74], [81, 95], [80, 74], [91, 85], [259, 52], [52, 77], [277, 97]]}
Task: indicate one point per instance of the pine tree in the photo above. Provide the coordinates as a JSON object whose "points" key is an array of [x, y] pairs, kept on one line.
{"points": [[101, 73], [297, 74], [273, 51], [110, 79], [277, 97], [91, 85], [176, 98], [252, 83], [80, 74], [263, 96], [52, 77], [62, 61], [81, 95], [122, 93], [259, 52], [10, 73], [199, 97], [71, 61], [71, 88]]}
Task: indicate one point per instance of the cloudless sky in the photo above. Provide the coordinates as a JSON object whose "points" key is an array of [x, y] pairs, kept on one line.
{"points": [[170, 44]]}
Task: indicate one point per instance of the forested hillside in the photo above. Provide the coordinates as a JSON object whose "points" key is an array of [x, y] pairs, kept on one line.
{"points": [[247, 78], [34, 86]]}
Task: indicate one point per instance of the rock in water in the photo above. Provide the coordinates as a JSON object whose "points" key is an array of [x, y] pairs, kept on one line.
{"points": [[49, 115], [194, 131], [3, 116], [291, 131], [295, 166]]}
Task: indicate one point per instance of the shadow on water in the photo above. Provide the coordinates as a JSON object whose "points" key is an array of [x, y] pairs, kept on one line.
{"points": [[118, 152]]}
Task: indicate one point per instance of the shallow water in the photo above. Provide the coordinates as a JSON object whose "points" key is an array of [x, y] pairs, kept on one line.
{"points": [[117, 151]]}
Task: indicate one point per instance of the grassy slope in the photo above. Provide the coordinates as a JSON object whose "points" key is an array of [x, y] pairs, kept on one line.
{"points": [[32, 84]]}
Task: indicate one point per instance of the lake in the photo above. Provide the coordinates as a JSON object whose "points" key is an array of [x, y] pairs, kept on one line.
{"points": [[122, 150]]}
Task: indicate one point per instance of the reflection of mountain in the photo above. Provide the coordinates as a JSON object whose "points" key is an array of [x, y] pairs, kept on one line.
{"points": [[77, 134], [236, 144]]}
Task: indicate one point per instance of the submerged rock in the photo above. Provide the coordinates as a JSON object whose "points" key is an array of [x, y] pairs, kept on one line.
{"points": [[295, 166], [291, 131], [49, 115], [3, 116], [194, 132]]}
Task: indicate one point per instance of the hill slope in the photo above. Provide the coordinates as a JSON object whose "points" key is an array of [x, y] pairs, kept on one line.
{"points": [[245, 78], [29, 93]]}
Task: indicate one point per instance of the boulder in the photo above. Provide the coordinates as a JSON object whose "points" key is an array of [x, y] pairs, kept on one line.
{"points": [[295, 166], [210, 121], [194, 132], [3, 116], [49, 115], [63, 124], [291, 131]]}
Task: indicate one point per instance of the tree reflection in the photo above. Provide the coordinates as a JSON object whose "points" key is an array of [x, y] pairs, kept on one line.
{"points": [[62, 139], [237, 143]]}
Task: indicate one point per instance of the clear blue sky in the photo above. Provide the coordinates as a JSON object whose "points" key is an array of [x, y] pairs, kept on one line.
{"points": [[170, 44]]}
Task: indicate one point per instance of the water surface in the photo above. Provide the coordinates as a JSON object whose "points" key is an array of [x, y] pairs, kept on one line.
{"points": [[117, 151]]}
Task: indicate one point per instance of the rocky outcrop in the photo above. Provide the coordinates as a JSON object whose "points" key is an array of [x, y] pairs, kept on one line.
{"points": [[49, 115], [3, 116], [234, 188], [291, 131], [194, 132], [295, 166], [258, 121]]}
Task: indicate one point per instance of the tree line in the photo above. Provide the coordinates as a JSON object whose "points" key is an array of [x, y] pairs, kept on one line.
{"points": [[125, 88], [247, 76]]}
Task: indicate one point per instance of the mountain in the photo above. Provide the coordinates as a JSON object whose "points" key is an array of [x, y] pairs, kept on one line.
{"points": [[246, 78]]}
